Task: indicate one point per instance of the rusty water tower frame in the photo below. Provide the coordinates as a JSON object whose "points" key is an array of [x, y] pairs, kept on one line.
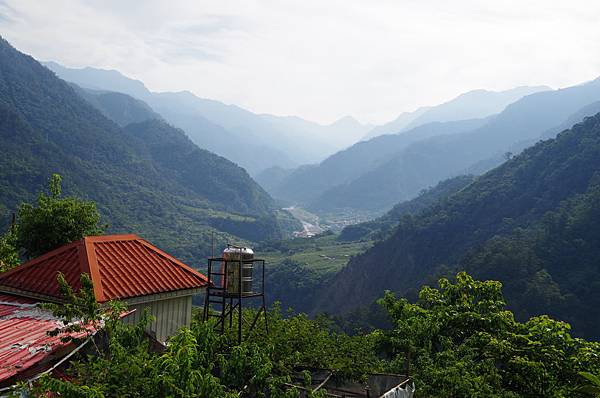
{"points": [[232, 282]]}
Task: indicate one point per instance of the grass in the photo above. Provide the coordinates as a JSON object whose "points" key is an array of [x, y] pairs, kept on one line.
{"points": [[323, 253]]}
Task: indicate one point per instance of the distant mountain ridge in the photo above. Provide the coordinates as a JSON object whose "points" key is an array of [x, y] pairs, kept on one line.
{"points": [[424, 163], [475, 104], [397, 125], [229, 130], [307, 184]]}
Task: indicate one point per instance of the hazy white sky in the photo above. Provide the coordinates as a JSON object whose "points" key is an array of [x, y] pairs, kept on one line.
{"points": [[318, 59]]}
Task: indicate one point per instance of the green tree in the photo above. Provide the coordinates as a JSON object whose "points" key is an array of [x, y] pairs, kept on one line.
{"points": [[465, 343], [9, 255], [55, 221]]}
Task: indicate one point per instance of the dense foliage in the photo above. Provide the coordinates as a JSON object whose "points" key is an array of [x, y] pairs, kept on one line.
{"points": [[198, 362], [551, 266], [463, 342], [9, 253], [55, 221], [457, 340], [49, 223]]}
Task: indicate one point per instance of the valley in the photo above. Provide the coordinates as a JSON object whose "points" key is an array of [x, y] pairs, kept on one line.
{"points": [[309, 221], [314, 224]]}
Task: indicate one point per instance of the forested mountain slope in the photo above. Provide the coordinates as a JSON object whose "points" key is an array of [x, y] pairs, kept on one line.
{"points": [[425, 163], [383, 226], [147, 178], [532, 223], [120, 108]]}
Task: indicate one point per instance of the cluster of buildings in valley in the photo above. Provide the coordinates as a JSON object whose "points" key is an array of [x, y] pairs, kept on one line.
{"points": [[314, 225]]}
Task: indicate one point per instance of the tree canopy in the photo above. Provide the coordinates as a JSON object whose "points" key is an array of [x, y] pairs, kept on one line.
{"points": [[55, 220], [9, 254], [465, 343]]}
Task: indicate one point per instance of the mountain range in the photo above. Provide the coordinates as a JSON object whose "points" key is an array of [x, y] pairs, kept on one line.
{"points": [[146, 176], [531, 223], [374, 175], [474, 104], [306, 184], [254, 141]]}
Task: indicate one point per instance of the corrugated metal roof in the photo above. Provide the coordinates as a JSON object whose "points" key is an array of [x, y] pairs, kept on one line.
{"points": [[121, 266], [9, 298], [24, 342]]}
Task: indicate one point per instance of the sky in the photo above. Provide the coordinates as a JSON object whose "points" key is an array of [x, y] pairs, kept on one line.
{"points": [[320, 60]]}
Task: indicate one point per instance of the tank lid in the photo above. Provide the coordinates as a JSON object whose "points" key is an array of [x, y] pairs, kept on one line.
{"points": [[238, 249]]}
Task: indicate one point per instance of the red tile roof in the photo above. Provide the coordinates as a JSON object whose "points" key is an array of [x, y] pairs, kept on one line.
{"points": [[24, 342], [121, 266]]}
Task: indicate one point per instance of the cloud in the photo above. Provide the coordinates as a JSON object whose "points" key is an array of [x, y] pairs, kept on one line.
{"points": [[318, 59]]}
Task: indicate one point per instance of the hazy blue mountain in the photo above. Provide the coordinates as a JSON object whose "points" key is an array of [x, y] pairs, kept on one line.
{"points": [[587, 111], [147, 178], [397, 125], [239, 144], [299, 133], [186, 111], [532, 223], [254, 141], [100, 79], [496, 160], [425, 163], [308, 183], [270, 178], [474, 104], [346, 131]]}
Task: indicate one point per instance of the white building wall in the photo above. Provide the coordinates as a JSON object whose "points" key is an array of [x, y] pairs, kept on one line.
{"points": [[170, 315]]}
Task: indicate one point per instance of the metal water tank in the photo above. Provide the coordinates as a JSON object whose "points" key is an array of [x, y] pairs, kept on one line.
{"points": [[239, 259]]}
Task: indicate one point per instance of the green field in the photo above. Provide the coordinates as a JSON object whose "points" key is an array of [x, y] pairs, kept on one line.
{"points": [[298, 268], [322, 254]]}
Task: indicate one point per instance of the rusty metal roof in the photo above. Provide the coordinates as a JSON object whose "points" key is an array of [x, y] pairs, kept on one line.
{"points": [[24, 342], [121, 266]]}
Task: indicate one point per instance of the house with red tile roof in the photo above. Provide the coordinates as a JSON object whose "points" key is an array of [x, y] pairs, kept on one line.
{"points": [[122, 267]]}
